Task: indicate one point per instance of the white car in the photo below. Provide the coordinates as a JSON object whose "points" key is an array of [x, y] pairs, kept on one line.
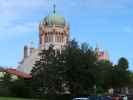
{"points": [[81, 98]]}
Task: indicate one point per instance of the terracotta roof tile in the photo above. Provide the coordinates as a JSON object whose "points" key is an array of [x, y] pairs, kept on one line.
{"points": [[18, 73]]}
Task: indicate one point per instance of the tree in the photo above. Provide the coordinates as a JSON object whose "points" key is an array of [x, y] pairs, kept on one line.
{"points": [[5, 84], [76, 70], [104, 73], [47, 73], [123, 64], [84, 47], [80, 71], [7, 79], [121, 74], [72, 70], [20, 88]]}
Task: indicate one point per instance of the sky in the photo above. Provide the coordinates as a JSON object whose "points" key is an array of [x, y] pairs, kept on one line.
{"points": [[107, 23]]}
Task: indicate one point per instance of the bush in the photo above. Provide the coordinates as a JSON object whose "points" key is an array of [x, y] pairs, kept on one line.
{"points": [[4, 90]]}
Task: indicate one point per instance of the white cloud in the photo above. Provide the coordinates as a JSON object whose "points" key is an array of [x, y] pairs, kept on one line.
{"points": [[18, 30], [12, 13]]}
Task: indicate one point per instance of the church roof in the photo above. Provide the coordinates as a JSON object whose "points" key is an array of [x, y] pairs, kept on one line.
{"points": [[54, 19], [16, 72], [27, 65]]}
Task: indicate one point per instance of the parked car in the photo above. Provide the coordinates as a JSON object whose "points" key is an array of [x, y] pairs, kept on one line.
{"points": [[100, 98], [81, 98]]}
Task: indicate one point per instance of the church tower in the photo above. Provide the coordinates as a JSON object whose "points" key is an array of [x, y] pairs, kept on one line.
{"points": [[53, 30]]}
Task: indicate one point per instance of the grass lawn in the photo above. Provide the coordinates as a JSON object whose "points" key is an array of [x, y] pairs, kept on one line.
{"points": [[10, 98]]}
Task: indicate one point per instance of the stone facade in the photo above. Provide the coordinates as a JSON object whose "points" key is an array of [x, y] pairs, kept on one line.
{"points": [[53, 35], [53, 30]]}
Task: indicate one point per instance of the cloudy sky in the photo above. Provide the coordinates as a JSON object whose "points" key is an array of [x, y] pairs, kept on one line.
{"points": [[107, 23]]}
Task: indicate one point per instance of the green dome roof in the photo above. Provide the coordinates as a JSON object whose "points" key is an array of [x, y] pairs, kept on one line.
{"points": [[55, 19]]}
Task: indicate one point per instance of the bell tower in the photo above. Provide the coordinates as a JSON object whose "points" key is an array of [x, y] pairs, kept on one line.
{"points": [[53, 30]]}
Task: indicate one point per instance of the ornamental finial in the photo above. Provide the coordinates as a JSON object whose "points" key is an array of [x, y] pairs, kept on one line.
{"points": [[54, 6]]}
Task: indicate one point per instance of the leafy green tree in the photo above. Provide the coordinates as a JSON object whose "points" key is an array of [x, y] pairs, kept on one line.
{"points": [[47, 73], [121, 74], [73, 70], [104, 73], [5, 84], [123, 64], [7, 78], [80, 71], [76, 70], [20, 88]]}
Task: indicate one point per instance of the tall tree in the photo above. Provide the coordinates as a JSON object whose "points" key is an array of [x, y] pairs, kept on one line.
{"points": [[72, 70], [76, 70], [121, 73], [47, 73], [123, 64], [104, 73], [80, 72]]}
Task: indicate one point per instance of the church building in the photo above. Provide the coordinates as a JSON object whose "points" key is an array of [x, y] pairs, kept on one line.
{"points": [[53, 30]]}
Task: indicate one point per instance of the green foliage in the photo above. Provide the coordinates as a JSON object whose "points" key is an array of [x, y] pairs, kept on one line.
{"points": [[11, 87], [76, 70], [4, 91], [12, 98], [47, 73], [121, 74], [7, 79], [104, 73], [20, 88], [80, 69], [5, 84], [72, 70], [123, 64]]}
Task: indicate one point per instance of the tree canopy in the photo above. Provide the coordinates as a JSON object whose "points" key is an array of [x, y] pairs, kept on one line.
{"points": [[76, 70]]}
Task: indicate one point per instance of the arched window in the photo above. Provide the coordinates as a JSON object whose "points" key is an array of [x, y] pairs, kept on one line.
{"points": [[51, 38], [46, 38], [58, 38], [55, 38], [62, 38]]}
